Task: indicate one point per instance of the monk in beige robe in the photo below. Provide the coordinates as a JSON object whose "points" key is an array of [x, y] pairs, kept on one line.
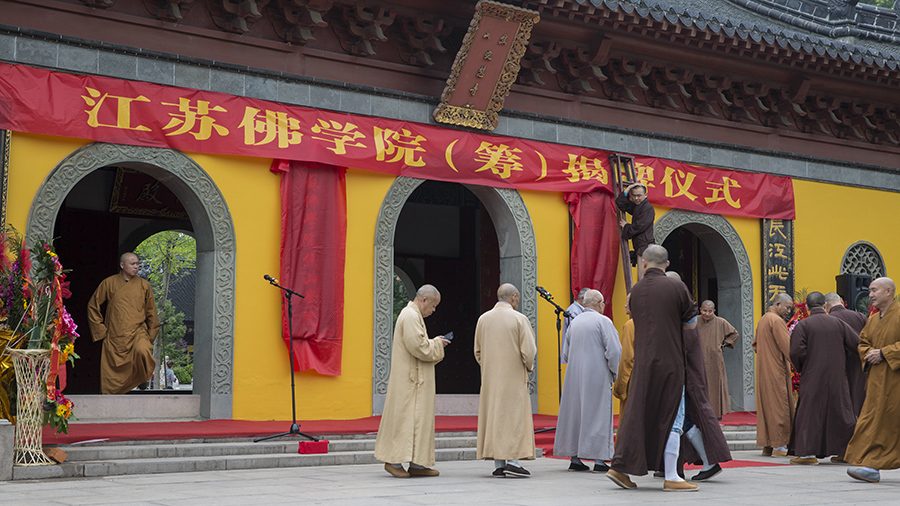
{"points": [[505, 350], [774, 400], [716, 334], [127, 329], [875, 444], [626, 365], [406, 430]]}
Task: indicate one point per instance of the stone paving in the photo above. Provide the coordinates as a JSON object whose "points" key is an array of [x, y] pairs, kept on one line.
{"points": [[461, 483]]}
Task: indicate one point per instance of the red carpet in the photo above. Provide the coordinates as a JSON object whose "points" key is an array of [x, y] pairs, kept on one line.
{"points": [[145, 431]]}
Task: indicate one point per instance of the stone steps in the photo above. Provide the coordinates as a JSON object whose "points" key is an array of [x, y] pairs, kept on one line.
{"points": [[150, 457]]}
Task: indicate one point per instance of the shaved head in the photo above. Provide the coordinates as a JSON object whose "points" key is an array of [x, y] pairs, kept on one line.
{"points": [[656, 256], [506, 292]]}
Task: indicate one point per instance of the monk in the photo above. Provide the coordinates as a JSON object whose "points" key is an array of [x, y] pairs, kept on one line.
{"points": [[875, 444], [574, 309], [774, 400], [716, 334], [626, 365], [856, 377], [584, 428], [825, 417], [633, 200], [661, 308], [406, 430], [505, 350], [127, 329]]}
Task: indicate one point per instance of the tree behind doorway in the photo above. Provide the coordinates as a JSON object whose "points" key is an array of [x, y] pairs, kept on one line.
{"points": [[163, 257]]}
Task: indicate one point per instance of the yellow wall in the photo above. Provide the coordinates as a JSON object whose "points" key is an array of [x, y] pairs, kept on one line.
{"points": [[261, 372]]}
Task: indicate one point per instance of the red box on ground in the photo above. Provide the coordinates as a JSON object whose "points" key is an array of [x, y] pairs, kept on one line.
{"points": [[309, 447]]}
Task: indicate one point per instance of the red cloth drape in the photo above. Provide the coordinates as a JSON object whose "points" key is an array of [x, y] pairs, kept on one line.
{"points": [[595, 245], [313, 247]]}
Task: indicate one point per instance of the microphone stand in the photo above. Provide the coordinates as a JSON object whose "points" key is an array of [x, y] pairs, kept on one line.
{"points": [[560, 312], [295, 427]]}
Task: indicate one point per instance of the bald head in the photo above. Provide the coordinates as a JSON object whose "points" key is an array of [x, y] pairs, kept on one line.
{"points": [[506, 292], [881, 293], [707, 310], [815, 300], [656, 257], [782, 305], [427, 291], [673, 275], [130, 264], [594, 300], [581, 293]]}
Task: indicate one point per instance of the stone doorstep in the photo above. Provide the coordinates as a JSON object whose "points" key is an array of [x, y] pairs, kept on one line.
{"points": [[136, 407], [80, 453]]}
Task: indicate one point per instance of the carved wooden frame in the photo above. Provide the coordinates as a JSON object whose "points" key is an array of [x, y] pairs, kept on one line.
{"points": [[486, 119]]}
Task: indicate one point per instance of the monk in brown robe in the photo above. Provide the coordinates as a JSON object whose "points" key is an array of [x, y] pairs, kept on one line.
{"points": [[875, 444], [661, 308], [825, 417], [716, 334], [774, 400], [127, 330], [856, 377]]}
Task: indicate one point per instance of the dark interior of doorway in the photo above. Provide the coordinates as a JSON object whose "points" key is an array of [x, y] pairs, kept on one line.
{"points": [[89, 240], [689, 257], [445, 237]]}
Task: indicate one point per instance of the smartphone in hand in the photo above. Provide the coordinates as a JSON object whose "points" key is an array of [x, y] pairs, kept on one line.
{"points": [[448, 336]]}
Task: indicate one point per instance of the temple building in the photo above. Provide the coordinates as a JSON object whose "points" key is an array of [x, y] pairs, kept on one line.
{"points": [[353, 150]]}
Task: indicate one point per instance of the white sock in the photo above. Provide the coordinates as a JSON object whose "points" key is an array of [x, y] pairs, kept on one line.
{"points": [[514, 462], [696, 438], [415, 466], [499, 464], [397, 466], [670, 457], [782, 448]]}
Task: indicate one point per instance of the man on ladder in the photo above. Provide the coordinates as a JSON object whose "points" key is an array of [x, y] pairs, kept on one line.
{"points": [[633, 200]]}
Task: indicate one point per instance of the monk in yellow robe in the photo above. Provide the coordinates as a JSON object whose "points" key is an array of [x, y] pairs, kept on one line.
{"points": [[127, 330]]}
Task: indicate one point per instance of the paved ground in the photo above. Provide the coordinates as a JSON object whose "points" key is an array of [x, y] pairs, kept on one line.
{"points": [[461, 483]]}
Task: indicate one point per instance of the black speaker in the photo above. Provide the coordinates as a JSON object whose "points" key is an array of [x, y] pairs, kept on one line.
{"points": [[854, 289]]}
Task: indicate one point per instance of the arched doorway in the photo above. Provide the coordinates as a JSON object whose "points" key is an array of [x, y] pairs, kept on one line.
{"points": [[212, 226], [516, 251], [446, 237], [707, 250]]}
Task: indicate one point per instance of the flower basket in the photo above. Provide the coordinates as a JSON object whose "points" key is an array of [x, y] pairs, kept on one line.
{"points": [[32, 368]]}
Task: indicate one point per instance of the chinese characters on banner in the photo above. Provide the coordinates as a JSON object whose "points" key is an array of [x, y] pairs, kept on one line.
{"points": [[778, 259], [127, 112]]}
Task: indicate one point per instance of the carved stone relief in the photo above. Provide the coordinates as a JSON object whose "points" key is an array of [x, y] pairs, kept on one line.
{"points": [[214, 232]]}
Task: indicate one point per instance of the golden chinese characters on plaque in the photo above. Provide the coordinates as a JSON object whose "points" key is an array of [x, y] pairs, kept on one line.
{"points": [[486, 66]]}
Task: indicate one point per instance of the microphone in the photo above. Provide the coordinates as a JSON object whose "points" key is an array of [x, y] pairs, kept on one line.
{"points": [[270, 279], [544, 293]]}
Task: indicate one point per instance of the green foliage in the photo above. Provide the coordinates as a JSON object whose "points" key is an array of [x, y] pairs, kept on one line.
{"points": [[164, 255], [401, 297], [172, 332], [185, 374]]}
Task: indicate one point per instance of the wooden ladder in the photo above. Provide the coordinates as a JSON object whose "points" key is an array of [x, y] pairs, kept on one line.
{"points": [[623, 170]]}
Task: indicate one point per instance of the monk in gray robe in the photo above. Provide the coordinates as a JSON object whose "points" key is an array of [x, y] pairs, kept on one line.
{"points": [[825, 419], [574, 309], [127, 329], [856, 377], [406, 430], [584, 427]]}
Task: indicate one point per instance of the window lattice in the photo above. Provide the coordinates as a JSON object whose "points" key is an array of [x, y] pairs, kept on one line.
{"points": [[863, 258]]}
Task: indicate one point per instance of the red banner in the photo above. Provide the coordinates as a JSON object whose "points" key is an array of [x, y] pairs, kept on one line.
{"points": [[129, 112]]}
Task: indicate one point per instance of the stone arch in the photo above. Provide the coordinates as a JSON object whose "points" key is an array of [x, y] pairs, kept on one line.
{"points": [[735, 280], [213, 231], [518, 265]]}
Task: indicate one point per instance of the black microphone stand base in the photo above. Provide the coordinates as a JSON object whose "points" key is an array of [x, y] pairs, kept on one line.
{"points": [[295, 431]]}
